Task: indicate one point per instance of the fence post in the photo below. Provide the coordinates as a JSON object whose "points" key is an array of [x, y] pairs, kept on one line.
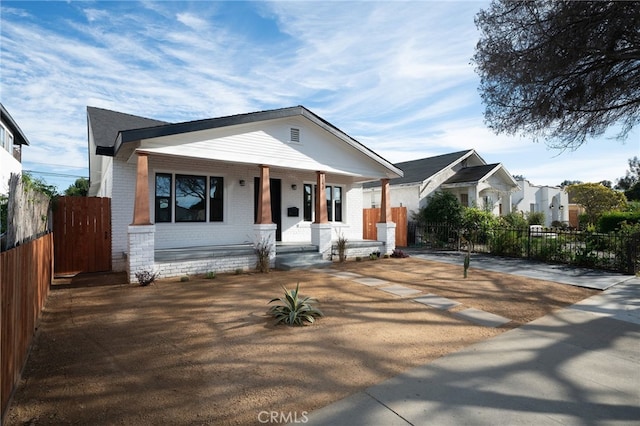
{"points": [[529, 243]]}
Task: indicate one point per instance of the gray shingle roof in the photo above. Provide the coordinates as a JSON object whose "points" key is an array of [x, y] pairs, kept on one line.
{"points": [[419, 170], [106, 124], [471, 174]]}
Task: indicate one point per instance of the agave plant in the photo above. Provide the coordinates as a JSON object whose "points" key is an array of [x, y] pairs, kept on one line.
{"points": [[294, 309]]}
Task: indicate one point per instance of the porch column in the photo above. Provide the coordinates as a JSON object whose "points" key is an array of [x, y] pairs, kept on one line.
{"points": [[264, 228], [141, 214], [385, 227], [264, 197], [385, 203], [321, 228], [141, 233], [321, 198]]}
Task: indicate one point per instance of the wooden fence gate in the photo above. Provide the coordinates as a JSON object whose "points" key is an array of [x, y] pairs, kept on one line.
{"points": [[82, 235], [372, 216]]}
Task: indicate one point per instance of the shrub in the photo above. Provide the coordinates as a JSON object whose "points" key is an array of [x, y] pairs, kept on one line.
{"points": [[294, 309], [263, 252], [146, 277], [535, 218], [374, 255], [358, 259], [399, 253], [210, 275], [612, 221], [184, 278], [238, 271], [341, 246]]}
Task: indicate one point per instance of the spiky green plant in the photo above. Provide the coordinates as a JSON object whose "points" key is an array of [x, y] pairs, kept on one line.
{"points": [[294, 309]]}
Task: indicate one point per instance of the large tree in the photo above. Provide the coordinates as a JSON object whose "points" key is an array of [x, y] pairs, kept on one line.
{"points": [[562, 71], [596, 199]]}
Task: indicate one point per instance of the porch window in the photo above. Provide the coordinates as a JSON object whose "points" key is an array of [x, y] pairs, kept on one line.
{"points": [[464, 200], [163, 198], [188, 194], [190, 198], [333, 196], [216, 206]]}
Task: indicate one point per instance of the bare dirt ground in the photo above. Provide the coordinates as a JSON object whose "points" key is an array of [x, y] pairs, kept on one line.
{"points": [[204, 351]]}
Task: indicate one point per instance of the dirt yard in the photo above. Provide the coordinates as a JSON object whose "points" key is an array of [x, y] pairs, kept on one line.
{"points": [[204, 352]]}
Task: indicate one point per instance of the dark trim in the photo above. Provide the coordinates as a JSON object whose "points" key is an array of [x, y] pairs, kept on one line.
{"points": [[19, 137]]}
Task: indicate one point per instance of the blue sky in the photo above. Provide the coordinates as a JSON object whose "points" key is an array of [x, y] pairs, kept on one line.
{"points": [[394, 75]]}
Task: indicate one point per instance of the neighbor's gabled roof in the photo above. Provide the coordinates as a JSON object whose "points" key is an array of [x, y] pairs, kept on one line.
{"points": [[417, 171], [471, 174], [19, 137]]}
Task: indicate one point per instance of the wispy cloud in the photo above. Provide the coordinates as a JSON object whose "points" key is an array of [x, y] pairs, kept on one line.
{"points": [[395, 75]]}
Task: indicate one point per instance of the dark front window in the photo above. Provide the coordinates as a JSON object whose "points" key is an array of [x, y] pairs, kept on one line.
{"points": [[216, 205], [190, 198], [163, 197], [333, 198]]}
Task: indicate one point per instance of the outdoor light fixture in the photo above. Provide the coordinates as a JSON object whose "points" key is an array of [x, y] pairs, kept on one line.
{"points": [[241, 182], [294, 186]]}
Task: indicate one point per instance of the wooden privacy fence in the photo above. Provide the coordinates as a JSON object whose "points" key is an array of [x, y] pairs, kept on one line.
{"points": [[25, 275], [82, 230], [372, 216]]}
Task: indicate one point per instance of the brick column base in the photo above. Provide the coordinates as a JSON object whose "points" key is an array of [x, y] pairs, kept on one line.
{"points": [[387, 234], [321, 237], [141, 246]]}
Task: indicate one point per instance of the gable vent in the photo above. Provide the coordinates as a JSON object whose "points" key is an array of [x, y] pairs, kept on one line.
{"points": [[295, 135]]}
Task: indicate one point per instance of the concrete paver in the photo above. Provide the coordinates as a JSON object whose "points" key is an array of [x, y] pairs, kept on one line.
{"points": [[481, 317], [371, 282], [400, 290], [437, 302]]}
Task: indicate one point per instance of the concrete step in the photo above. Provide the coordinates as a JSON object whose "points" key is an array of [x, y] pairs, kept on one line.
{"points": [[300, 260]]}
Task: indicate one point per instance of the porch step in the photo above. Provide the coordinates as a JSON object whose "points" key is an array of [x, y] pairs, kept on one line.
{"points": [[300, 260]]}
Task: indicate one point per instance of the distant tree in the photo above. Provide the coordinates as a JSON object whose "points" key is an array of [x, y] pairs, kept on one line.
{"points": [[518, 177], [80, 188], [442, 207], [596, 199], [630, 184], [606, 183], [567, 182], [560, 70]]}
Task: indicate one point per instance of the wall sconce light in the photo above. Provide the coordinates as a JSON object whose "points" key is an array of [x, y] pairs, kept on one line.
{"points": [[561, 207], [551, 206], [294, 186], [242, 182]]}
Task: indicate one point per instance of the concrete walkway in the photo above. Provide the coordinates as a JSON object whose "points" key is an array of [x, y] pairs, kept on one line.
{"points": [[576, 366]]}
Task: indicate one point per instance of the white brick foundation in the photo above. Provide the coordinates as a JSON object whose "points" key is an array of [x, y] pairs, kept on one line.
{"points": [[387, 234], [140, 250]]}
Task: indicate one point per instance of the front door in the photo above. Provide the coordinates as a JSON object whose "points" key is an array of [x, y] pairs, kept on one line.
{"points": [[276, 203]]}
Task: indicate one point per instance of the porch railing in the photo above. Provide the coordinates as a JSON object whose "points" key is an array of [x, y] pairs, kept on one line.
{"points": [[616, 251]]}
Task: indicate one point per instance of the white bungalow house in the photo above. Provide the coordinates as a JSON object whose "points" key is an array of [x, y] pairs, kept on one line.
{"points": [[11, 141], [463, 173], [194, 197], [553, 201]]}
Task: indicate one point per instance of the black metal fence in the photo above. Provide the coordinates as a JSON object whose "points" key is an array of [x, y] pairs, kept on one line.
{"points": [[617, 251]]}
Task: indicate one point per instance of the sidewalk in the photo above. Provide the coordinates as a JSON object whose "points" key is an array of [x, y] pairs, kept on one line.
{"points": [[577, 366]]}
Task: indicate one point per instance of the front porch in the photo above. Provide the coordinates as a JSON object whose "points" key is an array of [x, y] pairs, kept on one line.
{"points": [[229, 258]]}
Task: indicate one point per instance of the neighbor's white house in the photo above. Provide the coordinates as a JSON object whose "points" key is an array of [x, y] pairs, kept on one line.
{"points": [[11, 141], [463, 173], [284, 176], [553, 201]]}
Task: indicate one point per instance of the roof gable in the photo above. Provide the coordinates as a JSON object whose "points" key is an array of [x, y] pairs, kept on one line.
{"points": [[106, 124], [471, 174]]}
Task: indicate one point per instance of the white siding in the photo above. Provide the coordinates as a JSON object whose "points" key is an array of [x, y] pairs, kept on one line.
{"points": [[8, 165]]}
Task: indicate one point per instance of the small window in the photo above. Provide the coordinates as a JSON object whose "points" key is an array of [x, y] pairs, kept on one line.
{"points": [[307, 202], [464, 200], [295, 135], [163, 197], [216, 204]]}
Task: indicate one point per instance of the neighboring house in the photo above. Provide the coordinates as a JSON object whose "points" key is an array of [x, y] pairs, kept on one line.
{"points": [[553, 201], [11, 141], [465, 174], [283, 175]]}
